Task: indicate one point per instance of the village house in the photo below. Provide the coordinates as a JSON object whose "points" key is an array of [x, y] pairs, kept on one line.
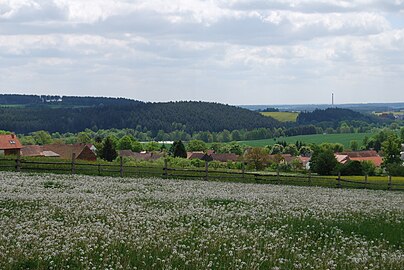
{"points": [[305, 161], [281, 158], [9, 145], [369, 155]]}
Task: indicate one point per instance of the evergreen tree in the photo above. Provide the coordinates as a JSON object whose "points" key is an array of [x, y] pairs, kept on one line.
{"points": [[107, 151], [178, 150]]}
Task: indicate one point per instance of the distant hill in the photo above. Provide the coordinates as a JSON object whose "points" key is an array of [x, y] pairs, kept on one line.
{"points": [[334, 115], [27, 113], [360, 107]]}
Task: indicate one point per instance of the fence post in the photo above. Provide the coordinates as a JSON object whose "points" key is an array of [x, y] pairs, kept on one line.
{"points": [[278, 177], [165, 169], [243, 169], [339, 180], [390, 184], [366, 180], [309, 177], [99, 169], [18, 163], [121, 166], [74, 163], [206, 170]]}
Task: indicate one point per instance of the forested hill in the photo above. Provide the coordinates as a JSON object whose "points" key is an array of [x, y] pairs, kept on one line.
{"points": [[334, 115], [46, 100], [103, 113]]}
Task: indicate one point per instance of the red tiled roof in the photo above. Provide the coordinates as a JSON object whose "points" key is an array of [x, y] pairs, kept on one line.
{"points": [[304, 160], [377, 161], [354, 154], [9, 141]]}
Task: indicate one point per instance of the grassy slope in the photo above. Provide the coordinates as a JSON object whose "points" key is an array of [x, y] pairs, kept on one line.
{"points": [[344, 139], [282, 116]]}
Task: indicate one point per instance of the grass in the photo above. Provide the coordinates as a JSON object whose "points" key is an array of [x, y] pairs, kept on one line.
{"points": [[282, 116], [344, 139], [168, 224]]}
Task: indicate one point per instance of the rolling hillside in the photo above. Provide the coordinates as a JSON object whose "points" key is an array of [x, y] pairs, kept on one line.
{"points": [[74, 114]]}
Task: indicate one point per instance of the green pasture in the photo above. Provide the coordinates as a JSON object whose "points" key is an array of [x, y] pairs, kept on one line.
{"points": [[344, 139], [282, 116]]}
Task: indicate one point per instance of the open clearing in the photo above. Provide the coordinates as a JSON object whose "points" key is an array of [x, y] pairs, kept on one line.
{"points": [[83, 222], [344, 138], [282, 116]]}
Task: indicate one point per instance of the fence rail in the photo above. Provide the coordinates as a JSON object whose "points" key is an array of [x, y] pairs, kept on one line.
{"points": [[18, 164]]}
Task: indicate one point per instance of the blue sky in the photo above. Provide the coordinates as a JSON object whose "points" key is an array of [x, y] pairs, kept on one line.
{"points": [[229, 51]]}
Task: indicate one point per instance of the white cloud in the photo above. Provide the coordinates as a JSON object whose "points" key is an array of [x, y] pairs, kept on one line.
{"points": [[196, 49]]}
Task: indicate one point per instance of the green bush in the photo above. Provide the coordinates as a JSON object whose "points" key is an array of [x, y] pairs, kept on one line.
{"points": [[395, 169]]}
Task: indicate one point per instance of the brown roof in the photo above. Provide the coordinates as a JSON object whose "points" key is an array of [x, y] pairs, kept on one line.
{"points": [[195, 155], [225, 157], [217, 157], [126, 153], [9, 141], [354, 154], [31, 151], [37, 151], [285, 157], [66, 150]]}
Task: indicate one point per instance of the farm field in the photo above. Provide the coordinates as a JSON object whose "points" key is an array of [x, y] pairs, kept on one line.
{"points": [[344, 139], [85, 222], [282, 116]]}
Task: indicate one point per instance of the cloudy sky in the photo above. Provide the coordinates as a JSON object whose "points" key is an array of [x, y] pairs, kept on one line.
{"points": [[229, 51]]}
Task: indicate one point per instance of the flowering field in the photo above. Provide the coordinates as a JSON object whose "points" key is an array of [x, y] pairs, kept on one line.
{"points": [[85, 222]]}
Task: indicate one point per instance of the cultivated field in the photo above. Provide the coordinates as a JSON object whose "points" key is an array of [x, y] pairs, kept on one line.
{"points": [[84, 222], [344, 139], [282, 116]]}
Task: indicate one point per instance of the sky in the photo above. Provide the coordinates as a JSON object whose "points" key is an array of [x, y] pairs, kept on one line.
{"points": [[227, 51]]}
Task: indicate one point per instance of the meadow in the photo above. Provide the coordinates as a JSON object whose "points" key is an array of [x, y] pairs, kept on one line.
{"points": [[343, 138], [282, 116], [85, 222]]}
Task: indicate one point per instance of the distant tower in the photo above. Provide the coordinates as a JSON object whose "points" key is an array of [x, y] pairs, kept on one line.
{"points": [[332, 99]]}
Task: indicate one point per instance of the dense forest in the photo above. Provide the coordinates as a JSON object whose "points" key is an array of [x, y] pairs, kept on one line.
{"points": [[24, 114], [74, 114], [334, 115]]}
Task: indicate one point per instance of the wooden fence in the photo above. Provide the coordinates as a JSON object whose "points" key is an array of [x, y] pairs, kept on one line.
{"points": [[19, 164]]}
